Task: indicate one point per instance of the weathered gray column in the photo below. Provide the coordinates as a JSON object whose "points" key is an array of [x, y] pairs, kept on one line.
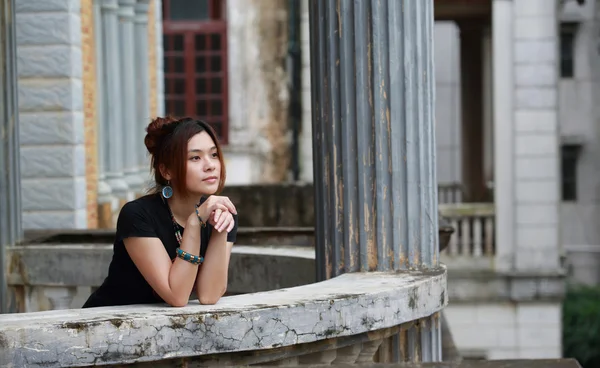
{"points": [[10, 176], [112, 99], [373, 134], [142, 86], [374, 146], [128, 94]]}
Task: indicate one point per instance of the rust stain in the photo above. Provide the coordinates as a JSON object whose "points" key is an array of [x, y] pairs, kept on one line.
{"points": [[339, 15], [367, 226], [371, 245], [416, 258], [389, 130], [351, 235]]}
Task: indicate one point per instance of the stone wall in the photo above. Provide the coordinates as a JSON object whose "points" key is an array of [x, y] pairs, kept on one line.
{"points": [[580, 124], [506, 330], [277, 205], [49, 48]]}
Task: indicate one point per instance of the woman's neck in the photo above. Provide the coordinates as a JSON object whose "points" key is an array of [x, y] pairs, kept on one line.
{"points": [[182, 207]]}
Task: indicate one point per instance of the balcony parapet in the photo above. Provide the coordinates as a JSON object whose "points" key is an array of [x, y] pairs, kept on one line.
{"points": [[351, 305]]}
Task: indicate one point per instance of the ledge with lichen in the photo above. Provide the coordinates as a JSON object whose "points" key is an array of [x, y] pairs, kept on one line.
{"points": [[348, 305]]}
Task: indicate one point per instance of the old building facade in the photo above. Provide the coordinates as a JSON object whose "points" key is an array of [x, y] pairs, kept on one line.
{"points": [[516, 118]]}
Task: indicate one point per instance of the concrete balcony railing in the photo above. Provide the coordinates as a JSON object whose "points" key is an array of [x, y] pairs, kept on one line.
{"points": [[473, 242], [283, 316]]}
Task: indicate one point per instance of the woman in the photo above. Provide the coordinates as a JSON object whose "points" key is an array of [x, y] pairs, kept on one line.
{"points": [[154, 259]]}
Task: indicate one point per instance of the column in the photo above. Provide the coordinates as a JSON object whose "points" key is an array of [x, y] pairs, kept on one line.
{"points": [[105, 197], [536, 132], [130, 122], [372, 86], [142, 85], [471, 65], [10, 175], [111, 79], [502, 48]]}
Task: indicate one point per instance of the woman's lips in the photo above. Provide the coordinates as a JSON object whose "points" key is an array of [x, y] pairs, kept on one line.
{"points": [[210, 180]]}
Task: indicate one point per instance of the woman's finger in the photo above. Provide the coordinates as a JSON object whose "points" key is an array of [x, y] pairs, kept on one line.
{"points": [[217, 214], [231, 225], [222, 221], [227, 224], [227, 203]]}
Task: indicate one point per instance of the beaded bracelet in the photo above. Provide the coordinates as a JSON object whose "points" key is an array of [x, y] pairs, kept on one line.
{"points": [[189, 257], [202, 223]]}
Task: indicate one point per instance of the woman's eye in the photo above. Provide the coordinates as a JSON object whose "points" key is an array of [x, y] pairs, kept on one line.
{"points": [[195, 158], [215, 155]]}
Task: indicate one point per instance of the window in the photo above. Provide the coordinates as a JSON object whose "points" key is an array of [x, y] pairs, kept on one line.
{"points": [[195, 51], [567, 49], [569, 155]]}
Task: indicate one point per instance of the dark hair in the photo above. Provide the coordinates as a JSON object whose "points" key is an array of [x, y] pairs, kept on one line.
{"points": [[167, 142]]}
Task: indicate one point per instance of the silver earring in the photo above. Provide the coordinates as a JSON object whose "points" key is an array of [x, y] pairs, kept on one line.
{"points": [[167, 191]]}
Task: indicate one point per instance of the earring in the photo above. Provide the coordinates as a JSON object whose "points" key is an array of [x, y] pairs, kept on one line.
{"points": [[167, 191]]}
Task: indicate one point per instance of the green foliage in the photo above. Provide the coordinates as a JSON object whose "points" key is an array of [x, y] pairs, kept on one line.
{"points": [[581, 325]]}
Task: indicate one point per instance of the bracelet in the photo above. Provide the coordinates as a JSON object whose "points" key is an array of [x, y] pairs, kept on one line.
{"points": [[189, 257], [202, 223]]}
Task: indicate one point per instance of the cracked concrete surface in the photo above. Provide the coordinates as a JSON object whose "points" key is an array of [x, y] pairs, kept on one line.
{"points": [[347, 305]]}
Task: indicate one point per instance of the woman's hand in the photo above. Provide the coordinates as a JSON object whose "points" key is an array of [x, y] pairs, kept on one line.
{"points": [[221, 220], [208, 209]]}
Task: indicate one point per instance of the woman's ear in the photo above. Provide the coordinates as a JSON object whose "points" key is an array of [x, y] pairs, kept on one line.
{"points": [[165, 173]]}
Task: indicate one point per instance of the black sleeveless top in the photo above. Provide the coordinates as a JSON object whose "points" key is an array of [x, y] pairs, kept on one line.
{"points": [[147, 217]]}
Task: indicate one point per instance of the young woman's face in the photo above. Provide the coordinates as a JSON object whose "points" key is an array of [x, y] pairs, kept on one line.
{"points": [[203, 165]]}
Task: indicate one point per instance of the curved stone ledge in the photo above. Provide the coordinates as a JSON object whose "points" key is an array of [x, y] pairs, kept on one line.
{"points": [[348, 305], [87, 265]]}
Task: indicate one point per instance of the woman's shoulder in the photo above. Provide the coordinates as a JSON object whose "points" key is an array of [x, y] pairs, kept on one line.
{"points": [[145, 205]]}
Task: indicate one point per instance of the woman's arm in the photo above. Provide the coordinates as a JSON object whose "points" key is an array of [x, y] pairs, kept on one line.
{"points": [[212, 276], [172, 281]]}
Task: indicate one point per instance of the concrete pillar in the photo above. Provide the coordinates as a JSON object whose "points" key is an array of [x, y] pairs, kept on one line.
{"points": [[373, 132], [142, 85], [471, 62], [502, 48], [112, 99], [372, 86], [128, 95], [10, 176], [536, 136], [105, 195], [526, 157]]}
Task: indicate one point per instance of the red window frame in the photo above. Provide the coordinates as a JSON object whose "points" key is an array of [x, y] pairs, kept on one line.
{"points": [[195, 67]]}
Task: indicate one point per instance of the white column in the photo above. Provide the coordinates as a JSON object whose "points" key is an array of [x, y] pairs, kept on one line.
{"points": [[502, 48], [130, 122], [537, 179], [111, 76], [142, 85], [104, 190]]}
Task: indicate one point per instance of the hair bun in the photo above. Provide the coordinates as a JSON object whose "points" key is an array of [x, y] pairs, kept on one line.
{"points": [[156, 133]]}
